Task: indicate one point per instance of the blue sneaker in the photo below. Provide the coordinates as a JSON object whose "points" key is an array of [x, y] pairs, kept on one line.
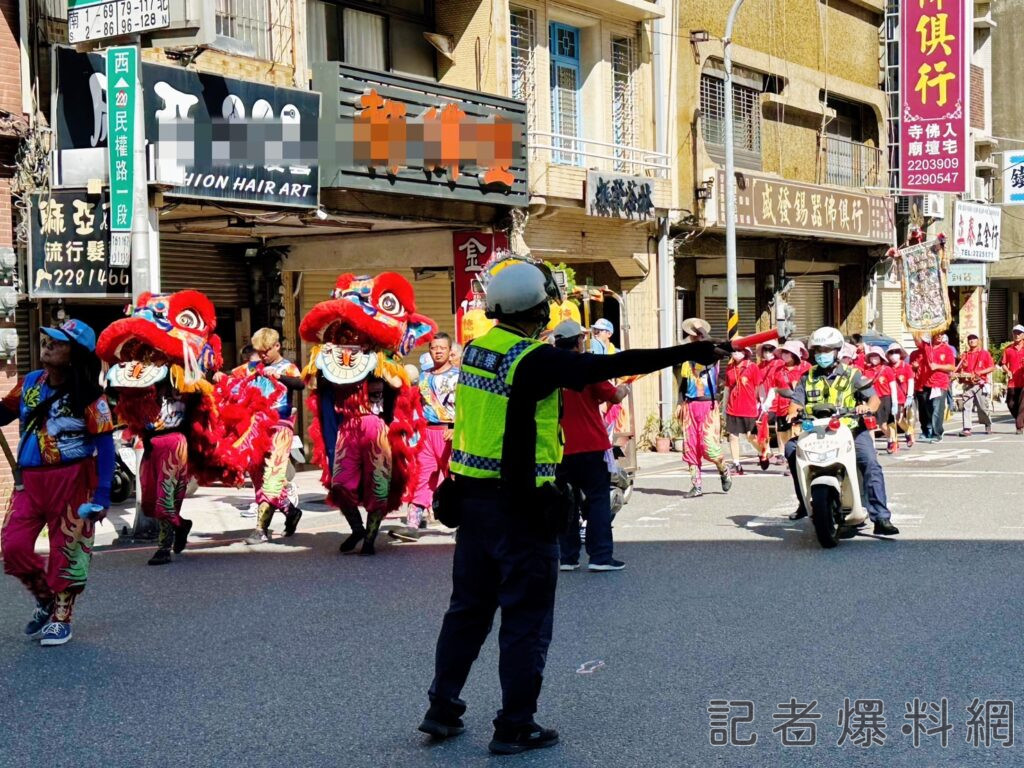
{"points": [[40, 618], [56, 633]]}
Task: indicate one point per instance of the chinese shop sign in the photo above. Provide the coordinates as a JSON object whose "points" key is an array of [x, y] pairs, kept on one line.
{"points": [[470, 251], [1013, 177], [976, 232], [69, 238], [388, 133], [616, 196], [934, 93], [122, 66], [805, 209], [966, 274]]}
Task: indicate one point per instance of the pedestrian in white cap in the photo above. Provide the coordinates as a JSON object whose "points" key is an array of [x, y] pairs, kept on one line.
{"points": [[601, 337]]}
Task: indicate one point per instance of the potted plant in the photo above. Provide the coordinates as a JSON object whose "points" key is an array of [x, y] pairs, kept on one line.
{"points": [[675, 431], [649, 434], [663, 442]]}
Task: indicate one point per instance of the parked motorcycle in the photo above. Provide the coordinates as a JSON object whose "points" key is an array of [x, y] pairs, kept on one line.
{"points": [[123, 484], [826, 465]]}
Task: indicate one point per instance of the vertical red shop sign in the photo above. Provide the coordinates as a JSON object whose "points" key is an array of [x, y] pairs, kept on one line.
{"points": [[470, 251], [935, 43]]}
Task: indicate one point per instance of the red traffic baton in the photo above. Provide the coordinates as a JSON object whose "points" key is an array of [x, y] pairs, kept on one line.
{"points": [[745, 342]]}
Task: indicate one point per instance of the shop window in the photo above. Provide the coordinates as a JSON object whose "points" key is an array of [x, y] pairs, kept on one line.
{"points": [[746, 110], [385, 36]]}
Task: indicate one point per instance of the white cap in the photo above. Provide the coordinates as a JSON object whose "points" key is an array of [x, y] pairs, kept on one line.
{"points": [[1018, 328], [567, 329]]}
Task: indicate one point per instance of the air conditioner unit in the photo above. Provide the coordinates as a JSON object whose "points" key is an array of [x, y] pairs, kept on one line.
{"points": [[980, 190], [934, 207], [929, 206]]}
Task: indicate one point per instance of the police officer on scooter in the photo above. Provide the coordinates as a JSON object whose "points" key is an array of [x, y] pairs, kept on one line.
{"points": [[506, 447], [829, 381]]}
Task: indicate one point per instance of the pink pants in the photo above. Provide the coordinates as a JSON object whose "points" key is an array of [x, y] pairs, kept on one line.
{"points": [[361, 475], [270, 474], [702, 425], [164, 477], [433, 458], [50, 498]]}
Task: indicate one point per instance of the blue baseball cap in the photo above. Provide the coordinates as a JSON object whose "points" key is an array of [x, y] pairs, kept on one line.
{"points": [[73, 331], [604, 324]]}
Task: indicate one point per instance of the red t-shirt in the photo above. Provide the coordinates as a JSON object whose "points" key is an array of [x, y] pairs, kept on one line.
{"points": [[1013, 359], [904, 373], [787, 378], [860, 361], [936, 354], [743, 380], [584, 428], [975, 360], [883, 375]]}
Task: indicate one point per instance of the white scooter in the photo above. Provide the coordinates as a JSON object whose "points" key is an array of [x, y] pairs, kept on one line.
{"points": [[826, 466]]}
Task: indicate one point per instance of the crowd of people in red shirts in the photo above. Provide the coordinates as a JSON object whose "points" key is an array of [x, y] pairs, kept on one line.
{"points": [[918, 388]]}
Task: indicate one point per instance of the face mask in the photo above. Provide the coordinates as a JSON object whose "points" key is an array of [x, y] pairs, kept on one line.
{"points": [[894, 358], [738, 356], [825, 359], [768, 355]]}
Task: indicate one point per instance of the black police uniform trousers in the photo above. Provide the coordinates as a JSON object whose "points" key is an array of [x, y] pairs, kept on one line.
{"points": [[499, 561]]}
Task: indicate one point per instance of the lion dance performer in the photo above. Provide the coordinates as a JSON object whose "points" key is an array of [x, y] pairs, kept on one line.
{"points": [[161, 357], [66, 458], [276, 377], [368, 419]]}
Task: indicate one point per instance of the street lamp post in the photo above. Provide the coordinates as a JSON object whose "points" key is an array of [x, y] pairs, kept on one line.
{"points": [[731, 287]]}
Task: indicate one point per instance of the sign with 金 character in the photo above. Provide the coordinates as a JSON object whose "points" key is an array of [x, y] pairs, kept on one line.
{"points": [[1013, 177], [122, 68], [935, 42], [97, 19], [69, 239]]}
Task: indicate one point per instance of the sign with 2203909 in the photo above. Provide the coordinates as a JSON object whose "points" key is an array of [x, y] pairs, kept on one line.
{"points": [[69, 248]]}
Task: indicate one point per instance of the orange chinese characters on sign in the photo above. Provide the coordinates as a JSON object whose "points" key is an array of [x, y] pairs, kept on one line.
{"points": [[443, 140]]}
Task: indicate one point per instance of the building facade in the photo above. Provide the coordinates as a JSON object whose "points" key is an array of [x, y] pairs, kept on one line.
{"points": [[812, 212]]}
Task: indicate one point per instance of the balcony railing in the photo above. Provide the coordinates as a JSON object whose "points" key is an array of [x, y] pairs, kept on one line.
{"points": [[849, 163], [560, 149]]}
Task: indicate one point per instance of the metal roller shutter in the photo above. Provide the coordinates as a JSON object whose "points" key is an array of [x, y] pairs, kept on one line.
{"points": [[219, 271], [891, 312], [807, 298], [998, 319], [714, 308]]}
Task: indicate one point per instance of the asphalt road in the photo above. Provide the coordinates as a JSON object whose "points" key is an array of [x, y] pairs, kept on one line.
{"points": [[291, 655]]}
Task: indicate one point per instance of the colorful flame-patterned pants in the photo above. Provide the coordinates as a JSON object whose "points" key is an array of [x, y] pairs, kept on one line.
{"points": [[50, 498], [270, 474], [163, 475], [361, 475]]}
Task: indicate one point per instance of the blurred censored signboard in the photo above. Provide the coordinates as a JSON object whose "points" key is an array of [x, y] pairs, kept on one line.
{"points": [[389, 133], [209, 137]]}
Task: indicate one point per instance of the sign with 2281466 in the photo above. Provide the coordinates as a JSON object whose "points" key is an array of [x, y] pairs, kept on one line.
{"points": [[97, 19], [69, 248]]}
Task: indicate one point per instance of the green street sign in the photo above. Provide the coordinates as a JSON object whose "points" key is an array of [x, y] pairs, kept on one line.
{"points": [[122, 70]]}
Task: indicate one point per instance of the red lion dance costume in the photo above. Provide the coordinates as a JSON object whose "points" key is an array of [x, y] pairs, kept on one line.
{"points": [[367, 412], [161, 356]]}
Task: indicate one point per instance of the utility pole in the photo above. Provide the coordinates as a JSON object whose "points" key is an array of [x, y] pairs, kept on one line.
{"points": [[731, 286]]}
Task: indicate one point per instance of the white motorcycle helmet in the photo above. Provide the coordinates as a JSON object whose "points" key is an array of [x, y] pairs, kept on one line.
{"points": [[519, 288], [826, 337]]}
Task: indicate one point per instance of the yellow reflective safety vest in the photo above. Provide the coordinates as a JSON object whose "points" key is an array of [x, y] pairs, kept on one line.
{"points": [[489, 364], [839, 392]]}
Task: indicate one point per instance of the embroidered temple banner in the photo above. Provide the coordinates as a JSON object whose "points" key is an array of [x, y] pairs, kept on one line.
{"points": [[923, 270]]}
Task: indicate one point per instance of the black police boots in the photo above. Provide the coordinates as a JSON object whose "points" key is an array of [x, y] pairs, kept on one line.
{"points": [[512, 741]]}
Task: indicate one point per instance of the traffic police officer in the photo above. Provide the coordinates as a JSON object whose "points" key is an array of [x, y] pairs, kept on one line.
{"points": [[506, 447], [829, 381]]}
